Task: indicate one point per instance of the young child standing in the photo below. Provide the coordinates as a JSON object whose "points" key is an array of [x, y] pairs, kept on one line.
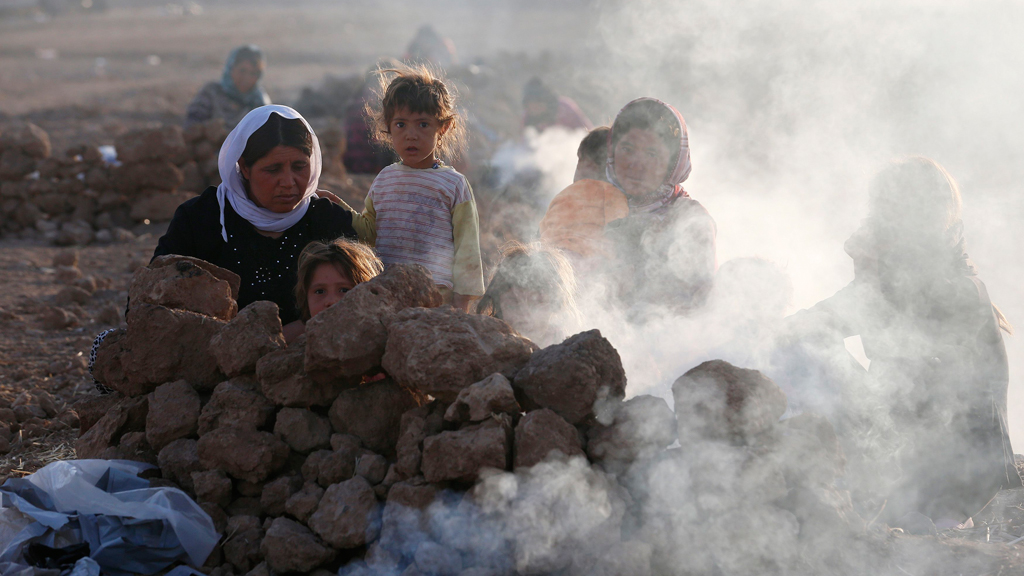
{"points": [[421, 210]]}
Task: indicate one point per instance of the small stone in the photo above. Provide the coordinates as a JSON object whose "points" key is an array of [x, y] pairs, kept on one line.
{"points": [[303, 503], [55, 318], [373, 413], [183, 284], [291, 547], [373, 467], [72, 295], [178, 460], [66, 258], [492, 395], [302, 430], [236, 403], [542, 432], [463, 454], [336, 467], [348, 514], [242, 544], [433, 558], [212, 486], [174, 413], [277, 492], [252, 334], [244, 454]]}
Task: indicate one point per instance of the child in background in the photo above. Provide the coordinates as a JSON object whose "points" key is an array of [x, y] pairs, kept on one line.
{"points": [[420, 210], [576, 217], [534, 290], [326, 271]]}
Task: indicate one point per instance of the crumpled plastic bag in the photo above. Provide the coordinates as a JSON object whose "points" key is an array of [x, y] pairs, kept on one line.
{"points": [[130, 527]]}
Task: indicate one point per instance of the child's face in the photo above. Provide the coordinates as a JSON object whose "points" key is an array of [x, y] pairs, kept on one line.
{"points": [[641, 161], [328, 285], [415, 137]]}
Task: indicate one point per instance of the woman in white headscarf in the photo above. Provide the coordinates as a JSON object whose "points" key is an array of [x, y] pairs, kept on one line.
{"points": [[264, 212]]}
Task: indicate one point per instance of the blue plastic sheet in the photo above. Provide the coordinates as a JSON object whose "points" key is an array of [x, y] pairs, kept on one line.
{"points": [[130, 527]]}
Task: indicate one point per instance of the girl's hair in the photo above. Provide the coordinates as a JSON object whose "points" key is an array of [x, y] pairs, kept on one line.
{"points": [[357, 260], [532, 267], [421, 91], [277, 131]]}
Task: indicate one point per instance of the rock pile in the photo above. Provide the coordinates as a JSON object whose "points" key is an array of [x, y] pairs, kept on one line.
{"points": [[78, 197], [400, 437]]}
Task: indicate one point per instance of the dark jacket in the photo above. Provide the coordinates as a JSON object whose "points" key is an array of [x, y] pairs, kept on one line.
{"points": [[266, 265]]}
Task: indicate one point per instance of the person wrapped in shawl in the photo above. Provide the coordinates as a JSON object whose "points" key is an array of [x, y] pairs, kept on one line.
{"points": [[665, 247], [924, 427], [238, 92]]}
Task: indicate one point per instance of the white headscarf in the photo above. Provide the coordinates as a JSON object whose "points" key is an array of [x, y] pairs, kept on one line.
{"points": [[232, 188]]}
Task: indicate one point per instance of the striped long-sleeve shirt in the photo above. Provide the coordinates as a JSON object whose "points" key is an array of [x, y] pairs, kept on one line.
{"points": [[426, 217]]}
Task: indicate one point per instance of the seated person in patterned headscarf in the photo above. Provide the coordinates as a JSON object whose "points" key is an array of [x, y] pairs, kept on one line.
{"points": [[237, 93]]}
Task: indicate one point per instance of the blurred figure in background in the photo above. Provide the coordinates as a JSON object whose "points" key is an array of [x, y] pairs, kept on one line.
{"points": [[363, 153], [924, 427], [430, 48], [533, 289], [543, 108], [238, 92]]}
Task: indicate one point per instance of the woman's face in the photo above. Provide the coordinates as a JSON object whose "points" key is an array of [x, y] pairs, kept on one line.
{"points": [[278, 180], [641, 161], [245, 74]]}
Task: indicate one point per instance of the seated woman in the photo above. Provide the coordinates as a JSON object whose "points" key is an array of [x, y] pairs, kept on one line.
{"points": [[237, 93], [326, 272], [266, 210], [924, 427], [543, 109], [534, 290], [665, 247]]}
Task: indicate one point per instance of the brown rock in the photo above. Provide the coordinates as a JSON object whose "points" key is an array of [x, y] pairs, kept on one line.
{"points": [[183, 286], [212, 486], [108, 369], [348, 339], [158, 205], [718, 401], [244, 454], [126, 416], [242, 543], [373, 413], [283, 381], [291, 547], [173, 413], [27, 138], [542, 432], [236, 403], [233, 280], [417, 424], [152, 175], [252, 334], [492, 395], [133, 446], [72, 295], [277, 492], [55, 318], [570, 377], [67, 274], [164, 345], [163, 143], [311, 466], [75, 233], [178, 460], [303, 503], [245, 506], [403, 521], [373, 467], [15, 165], [441, 351], [641, 427], [337, 466], [66, 258], [348, 514], [463, 454], [302, 430], [91, 408]]}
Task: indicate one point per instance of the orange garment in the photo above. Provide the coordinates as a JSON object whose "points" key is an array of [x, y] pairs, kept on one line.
{"points": [[576, 218]]}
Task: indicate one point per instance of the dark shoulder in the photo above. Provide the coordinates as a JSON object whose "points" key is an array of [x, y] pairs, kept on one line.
{"points": [[329, 220], [202, 207], [213, 87]]}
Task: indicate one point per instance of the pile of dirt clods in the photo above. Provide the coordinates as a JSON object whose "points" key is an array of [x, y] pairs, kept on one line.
{"points": [[398, 436]]}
